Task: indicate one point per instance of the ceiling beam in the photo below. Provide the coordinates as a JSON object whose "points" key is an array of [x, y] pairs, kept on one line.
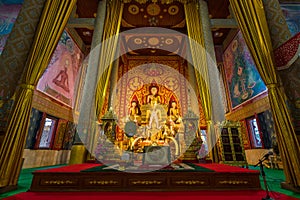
{"points": [[77, 39], [81, 23], [223, 23]]}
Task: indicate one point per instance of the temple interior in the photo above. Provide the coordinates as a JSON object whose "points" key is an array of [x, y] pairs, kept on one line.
{"points": [[148, 85]]}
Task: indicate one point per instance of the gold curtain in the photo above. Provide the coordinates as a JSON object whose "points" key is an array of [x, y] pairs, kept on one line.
{"points": [[52, 22], [108, 50], [251, 18], [197, 47]]}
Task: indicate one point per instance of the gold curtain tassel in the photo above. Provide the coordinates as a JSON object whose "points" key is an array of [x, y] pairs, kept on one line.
{"points": [[271, 86], [27, 86]]}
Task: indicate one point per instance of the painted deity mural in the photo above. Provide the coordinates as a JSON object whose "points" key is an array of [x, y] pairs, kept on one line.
{"points": [[60, 78], [242, 78], [9, 11]]}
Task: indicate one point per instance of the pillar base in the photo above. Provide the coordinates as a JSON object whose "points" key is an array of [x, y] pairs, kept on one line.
{"points": [[78, 154], [8, 188], [287, 186]]}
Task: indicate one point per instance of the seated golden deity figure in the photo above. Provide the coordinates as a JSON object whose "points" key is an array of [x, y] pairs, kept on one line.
{"points": [[174, 118], [174, 113], [135, 112], [153, 98]]}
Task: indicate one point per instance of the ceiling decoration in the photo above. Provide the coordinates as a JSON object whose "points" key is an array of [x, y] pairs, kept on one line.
{"points": [[153, 44], [156, 1], [219, 9], [86, 9], [136, 15], [147, 14]]}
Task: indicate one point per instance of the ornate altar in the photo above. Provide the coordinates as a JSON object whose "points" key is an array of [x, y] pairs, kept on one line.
{"points": [[154, 119], [154, 123]]}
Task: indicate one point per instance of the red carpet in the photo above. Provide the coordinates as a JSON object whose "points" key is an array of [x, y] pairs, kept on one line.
{"points": [[186, 195], [203, 195]]}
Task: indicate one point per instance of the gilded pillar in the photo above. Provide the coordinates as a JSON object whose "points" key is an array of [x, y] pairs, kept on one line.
{"points": [[88, 122], [113, 84], [14, 55], [99, 24], [213, 72], [193, 82]]}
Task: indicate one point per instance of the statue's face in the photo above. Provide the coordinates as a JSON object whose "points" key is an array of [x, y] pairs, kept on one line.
{"points": [[173, 104], [133, 104], [154, 90]]}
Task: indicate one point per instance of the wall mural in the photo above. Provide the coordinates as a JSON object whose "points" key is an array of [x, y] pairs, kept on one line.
{"points": [[8, 16], [60, 78], [292, 16], [242, 78]]}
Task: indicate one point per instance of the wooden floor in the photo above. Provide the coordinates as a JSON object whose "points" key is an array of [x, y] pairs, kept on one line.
{"points": [[222, 177]]}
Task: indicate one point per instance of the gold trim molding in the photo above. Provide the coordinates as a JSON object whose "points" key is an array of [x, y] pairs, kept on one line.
{"points": [[110, 182], [144, 182], [190, 182], [233, 182], [49, 105], [251, 109], [58, 182], [156, 1]]}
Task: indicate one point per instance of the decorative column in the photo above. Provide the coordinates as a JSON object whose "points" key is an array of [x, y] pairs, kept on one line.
{"points": [[14, 55], [286, 50], [108, 52], [213, 72], [279, 31], [113, 82], [88, 122], [218, 114], [193, 82]]}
